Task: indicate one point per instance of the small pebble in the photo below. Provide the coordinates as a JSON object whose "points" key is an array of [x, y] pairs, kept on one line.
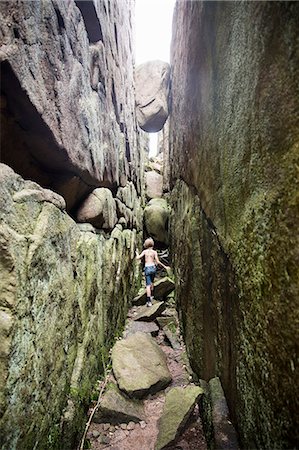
{"points": [[111, 429], [123, 426], [96, 434], [106, 426], [142, 424], [131, 426], [104, 439]]}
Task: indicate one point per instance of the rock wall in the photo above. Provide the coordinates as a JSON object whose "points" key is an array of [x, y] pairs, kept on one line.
{"points": [[68, 134], [67, 95], [233, 161]]}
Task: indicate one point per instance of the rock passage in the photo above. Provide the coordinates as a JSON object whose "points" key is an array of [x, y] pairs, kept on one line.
{"points": [[150, 402]]}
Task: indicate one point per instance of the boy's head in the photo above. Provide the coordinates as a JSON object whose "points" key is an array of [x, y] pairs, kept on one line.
{"points": [[148, 243]]}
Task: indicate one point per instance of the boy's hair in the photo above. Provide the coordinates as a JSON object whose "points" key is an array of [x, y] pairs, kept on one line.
{"points": [[148, 243]]}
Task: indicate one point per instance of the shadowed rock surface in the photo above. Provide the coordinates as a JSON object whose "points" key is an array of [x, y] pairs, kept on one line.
{"points": [[233, 173], [225, 437], [139, 366]]}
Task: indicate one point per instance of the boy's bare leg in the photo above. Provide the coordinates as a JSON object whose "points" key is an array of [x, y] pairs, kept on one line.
{"points": [[152, 291], [148, 290]]}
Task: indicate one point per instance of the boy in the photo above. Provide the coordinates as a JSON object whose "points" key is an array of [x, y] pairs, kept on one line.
{"points": [[151, 260]]}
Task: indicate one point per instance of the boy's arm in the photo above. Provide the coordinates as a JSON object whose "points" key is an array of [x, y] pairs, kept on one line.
{"points": [[139, 256], [159, 262]]}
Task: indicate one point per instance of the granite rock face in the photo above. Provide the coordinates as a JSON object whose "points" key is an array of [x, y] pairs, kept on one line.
{"points": [[234, 154], [67, 95], [63, 295], [156, 217], [68, 124], [152, 90], [154, 184]]}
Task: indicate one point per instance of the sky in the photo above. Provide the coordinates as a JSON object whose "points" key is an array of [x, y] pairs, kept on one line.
{"points": [[153, 19]]}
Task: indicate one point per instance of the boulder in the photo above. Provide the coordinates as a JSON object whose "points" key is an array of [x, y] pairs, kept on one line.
{"points": [[179, 404], [150, 313], [171, 338], [139, 365], [154, 184], [144, 327], [116, 408], [152, 90], [156, 216], [39, 195], [162, 288], [99, 209]]}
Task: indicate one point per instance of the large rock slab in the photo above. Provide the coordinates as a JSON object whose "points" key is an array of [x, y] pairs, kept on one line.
{"points": [[154, 184], [150, 313], [116, 408], [162, 288], [139, 366], [99, 209], [179, 404], [144, 327], [156, 217], [152, 90]]}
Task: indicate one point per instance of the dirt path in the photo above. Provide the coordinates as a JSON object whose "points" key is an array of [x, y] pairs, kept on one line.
{"points": [[142, 435]]}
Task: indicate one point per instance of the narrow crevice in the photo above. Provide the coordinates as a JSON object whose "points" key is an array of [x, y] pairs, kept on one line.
{"points": [[91, 20]]}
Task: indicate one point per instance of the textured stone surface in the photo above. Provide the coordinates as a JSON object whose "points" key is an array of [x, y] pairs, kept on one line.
{"points": [[68, 106], [99, 209], [225, 437], [154, 184], [139, 365], [144, 327], [63, 295], [156, 216], [116, 408], [162, 288], [233, 163], [179, 404], [150, 313], [152, 90]]}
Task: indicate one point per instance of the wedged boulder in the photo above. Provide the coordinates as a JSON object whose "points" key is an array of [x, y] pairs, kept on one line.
{"points": [[99, 209], [179, 404], [162, 288], [139, 366], [116, 408], [152, 90], [150, 313], [144, 327], [156, 216], [154, 184]]}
